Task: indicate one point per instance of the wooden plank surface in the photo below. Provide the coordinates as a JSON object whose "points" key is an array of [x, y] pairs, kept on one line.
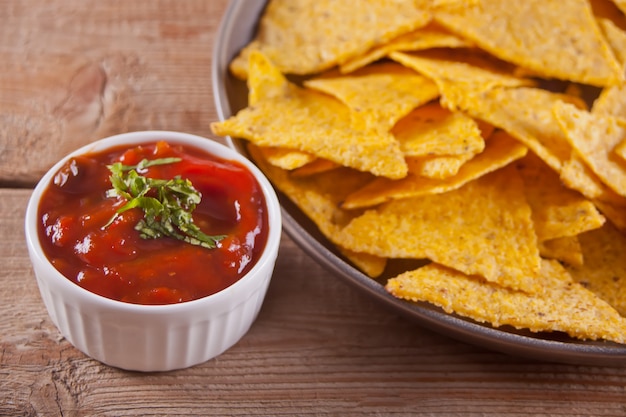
{"points": [[318, 347], [72, 71]]}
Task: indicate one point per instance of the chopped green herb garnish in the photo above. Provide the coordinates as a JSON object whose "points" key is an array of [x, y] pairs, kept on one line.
{"points": [[167, 204]]}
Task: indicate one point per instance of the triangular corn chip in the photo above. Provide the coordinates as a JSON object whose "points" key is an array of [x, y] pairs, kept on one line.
{"points": [[434, 130], [527, 114], [431, 36], [378, 95], [482, 228], [319, 198], [557, 211], [594, 137], [563, 305], [501, 150], [546, 37], [313, 122], [604, 267], [309, 36]]}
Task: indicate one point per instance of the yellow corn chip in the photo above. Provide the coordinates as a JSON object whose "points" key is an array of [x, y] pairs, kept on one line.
{"points": [[527, 114], [500, 151], [577, 176], [612, 101], [482, 228], [616, 38], [543, 36], [433, 130], [309, 36], [557, 211], [315, 167], [318, 197], [563, 305], [378, 95], [265, 80], [594, 137], [428, 37], [313, 122], [564, 249], [455, 77], [437, 166], [372, 265], [286, 158], [604, 269]]}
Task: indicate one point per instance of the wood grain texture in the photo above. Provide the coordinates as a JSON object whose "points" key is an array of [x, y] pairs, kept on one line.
{"points": [[317, 348], [72, 71], [75, 71]]}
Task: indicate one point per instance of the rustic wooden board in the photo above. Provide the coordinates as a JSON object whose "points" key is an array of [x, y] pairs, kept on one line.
{"points": [[72, 71]]}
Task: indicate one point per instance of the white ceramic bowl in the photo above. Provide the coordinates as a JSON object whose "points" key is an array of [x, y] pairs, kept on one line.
{"points": [[154, 337]]}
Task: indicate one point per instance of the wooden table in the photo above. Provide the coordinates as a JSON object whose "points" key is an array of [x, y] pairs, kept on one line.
{"points": [[72, 71]]}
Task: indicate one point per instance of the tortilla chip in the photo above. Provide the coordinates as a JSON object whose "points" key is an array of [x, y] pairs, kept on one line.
{"points": [[310, 36], [500, 151], [371, 265], [378, 95], [433, 130], [564, 249], [616, 38], [482, 228], [612, 101], [548, 39], [594, 137], [557, 211], [437, 166], [315, 167], [456, 75], [313, 122], [604, 269], [563, 305], [286, 158], [428, 37], [527, 114]]}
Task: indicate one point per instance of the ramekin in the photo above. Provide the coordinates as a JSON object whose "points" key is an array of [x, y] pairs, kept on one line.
{"points": [[154, 337]]}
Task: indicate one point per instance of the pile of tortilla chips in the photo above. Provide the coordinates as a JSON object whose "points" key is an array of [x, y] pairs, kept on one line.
{"points": [[484, 140]]}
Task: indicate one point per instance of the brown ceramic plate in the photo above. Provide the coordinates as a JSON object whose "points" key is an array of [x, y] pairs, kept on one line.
{"points": [[237, 28]]}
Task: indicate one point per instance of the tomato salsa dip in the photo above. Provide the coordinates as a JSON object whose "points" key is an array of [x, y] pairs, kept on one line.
{"points": [[93, 235]]}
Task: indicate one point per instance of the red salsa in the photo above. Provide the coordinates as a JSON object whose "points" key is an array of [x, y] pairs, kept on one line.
{"points": [[113, 260]]}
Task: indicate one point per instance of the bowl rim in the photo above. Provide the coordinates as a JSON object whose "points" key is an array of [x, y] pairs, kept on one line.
{"points": [[268, 255]]}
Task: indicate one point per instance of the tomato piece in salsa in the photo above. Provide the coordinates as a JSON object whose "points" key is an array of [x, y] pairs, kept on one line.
{"points": [[112, 259]]}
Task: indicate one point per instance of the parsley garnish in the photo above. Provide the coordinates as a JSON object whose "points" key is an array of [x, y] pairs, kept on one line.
{"points": [[167, 204]]}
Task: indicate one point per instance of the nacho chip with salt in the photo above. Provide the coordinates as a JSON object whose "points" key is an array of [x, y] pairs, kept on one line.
{"points": [[428, 37], [557, 211], [310, 36], [378, 95], [434, 130], [604, 269], [527, 114], [563, 305], [313, 122], [594, 137], [500, 151], [482, 228], [545, 37]]}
